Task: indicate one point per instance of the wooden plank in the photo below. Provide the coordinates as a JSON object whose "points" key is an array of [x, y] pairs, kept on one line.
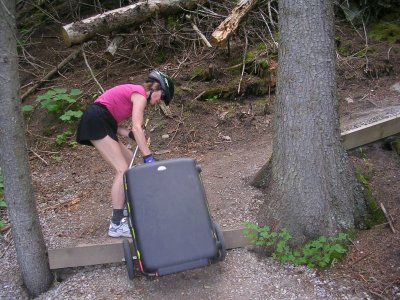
{"points": [[235, 239], [371, 132], [86, 255]]}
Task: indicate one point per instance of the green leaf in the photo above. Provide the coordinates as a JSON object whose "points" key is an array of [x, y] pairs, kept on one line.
{"points": [[50, 105], [280, 246], [265, 234], [50, 93], [284, 234], [58, 97], [27, 108], [310, 265], [67, 116], [60, 90], [322, 264], [342, 236], [296, 254], [250, 226], [75, 92], [3, 203], [307, 252], [56, 157], [52, 108], [43, 97], [2, 223], [338, 248]]}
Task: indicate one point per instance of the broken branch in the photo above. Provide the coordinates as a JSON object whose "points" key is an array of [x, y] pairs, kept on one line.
{"points": [[112, 48], [90, 69], [197, 30], [231, 23], [244, 62], [388, 218]]}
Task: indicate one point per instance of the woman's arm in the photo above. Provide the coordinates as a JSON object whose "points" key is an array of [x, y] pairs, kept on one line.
{"points": [[139, 104]]}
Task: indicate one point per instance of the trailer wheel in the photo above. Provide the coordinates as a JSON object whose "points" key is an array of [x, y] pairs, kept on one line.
{"points": [[220, 242], [128, 259]]}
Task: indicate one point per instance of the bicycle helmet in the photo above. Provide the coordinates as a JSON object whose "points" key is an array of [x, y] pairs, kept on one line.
{"points": [[167, 86]]}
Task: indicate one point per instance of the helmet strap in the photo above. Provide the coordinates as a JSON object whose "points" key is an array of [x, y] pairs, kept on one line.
{"points": [[149, 96]]}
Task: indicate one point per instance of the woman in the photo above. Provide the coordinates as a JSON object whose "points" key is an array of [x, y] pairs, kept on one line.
{"points": [[99, 127]]}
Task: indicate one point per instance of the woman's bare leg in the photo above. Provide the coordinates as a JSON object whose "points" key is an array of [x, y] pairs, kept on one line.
{"points": [[128, 154], [112, 152]]}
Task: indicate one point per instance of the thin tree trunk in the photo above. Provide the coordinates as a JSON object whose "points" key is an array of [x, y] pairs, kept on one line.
{"points": [[18, 191], [310, 187]]}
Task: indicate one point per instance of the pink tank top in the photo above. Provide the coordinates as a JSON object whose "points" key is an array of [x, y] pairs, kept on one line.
{"points": [[118, 100]]}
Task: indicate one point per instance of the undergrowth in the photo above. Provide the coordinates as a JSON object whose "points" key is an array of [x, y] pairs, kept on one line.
{"points": [[321, 252], [62, 103]]}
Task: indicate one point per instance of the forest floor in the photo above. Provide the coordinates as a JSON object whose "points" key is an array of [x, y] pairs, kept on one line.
{"points": [[232, 140]]}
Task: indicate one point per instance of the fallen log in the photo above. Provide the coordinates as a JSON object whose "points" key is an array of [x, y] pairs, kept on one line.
{"points": [[131, 15], [231, 23]]}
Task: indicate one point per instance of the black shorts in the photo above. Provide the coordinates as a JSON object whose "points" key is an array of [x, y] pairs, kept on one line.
{"points": [[95, 124]]}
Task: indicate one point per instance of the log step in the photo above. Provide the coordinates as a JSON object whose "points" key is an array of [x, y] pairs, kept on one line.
{"points": [[371, 132], [112, 252]]}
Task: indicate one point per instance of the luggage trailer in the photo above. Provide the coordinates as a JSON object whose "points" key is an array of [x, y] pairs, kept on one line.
{"points": [[169, 219]]}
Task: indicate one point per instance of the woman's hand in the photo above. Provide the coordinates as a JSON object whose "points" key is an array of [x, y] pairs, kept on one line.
{"points": [[123, 131]]}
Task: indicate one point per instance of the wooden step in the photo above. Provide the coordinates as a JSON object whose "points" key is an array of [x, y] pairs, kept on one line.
{"points": [[370, 133], [112, 251]]}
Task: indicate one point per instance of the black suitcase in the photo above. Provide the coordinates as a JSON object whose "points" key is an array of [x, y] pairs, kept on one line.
{"points": [[169, 219]]}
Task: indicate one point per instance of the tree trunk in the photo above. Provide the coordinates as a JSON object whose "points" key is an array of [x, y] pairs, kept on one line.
{"points": [[231, 23], [131, 15], [310, 186], [18, 190]]}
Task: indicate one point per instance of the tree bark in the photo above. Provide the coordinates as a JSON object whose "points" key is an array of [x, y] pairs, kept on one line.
{"points": [[231, 23], [310, 186], [18, 190], [131, 15]]}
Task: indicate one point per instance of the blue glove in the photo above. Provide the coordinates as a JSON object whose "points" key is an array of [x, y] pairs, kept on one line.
{"points": [[149, 159]]}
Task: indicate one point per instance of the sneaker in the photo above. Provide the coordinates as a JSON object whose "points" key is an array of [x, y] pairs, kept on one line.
{"points": [[119, 230]]}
